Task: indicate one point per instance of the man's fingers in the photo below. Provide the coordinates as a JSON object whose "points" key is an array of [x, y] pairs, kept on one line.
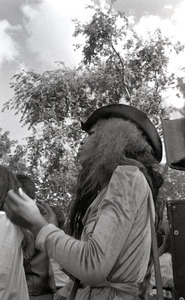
{"points": [[18, 197], [23, 195], [42, 210], [48, 208], [11, 202], [12, 198], [14, 202], [51, 216]]}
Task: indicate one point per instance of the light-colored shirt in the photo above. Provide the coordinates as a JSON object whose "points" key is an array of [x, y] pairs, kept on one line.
{"points": [[166, 271], [115, 244], [61, 279], [12, 277]]}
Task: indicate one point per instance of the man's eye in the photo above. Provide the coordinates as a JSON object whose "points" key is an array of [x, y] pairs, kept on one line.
{"points": [[90, 132]]}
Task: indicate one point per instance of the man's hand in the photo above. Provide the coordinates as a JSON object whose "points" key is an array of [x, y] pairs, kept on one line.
{"points": [[22, 211], [62, 294], [48, 213]]}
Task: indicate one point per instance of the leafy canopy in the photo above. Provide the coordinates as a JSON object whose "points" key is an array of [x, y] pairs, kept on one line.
{"points": [[118, 65]]}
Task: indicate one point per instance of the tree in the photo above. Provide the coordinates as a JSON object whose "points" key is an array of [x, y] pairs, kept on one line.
{"points": [[126, 65], [117, 64], [46, 102], [11, 154]]}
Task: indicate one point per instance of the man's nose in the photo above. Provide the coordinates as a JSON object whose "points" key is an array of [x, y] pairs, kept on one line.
{"points": [[83, 139]]}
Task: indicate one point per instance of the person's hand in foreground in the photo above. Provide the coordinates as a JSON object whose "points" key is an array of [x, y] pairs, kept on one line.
{"points": [[62, 294], [23, 211]]}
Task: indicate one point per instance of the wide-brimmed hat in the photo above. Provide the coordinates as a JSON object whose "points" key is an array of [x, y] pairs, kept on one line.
{"points": [[132, 114]]}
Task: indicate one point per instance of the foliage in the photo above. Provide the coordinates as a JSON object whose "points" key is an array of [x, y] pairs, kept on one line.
{"points": [[52, 164], [117, 65], [46, 102], [174, 185], [5, 145], [125, 65], [11, 154]]}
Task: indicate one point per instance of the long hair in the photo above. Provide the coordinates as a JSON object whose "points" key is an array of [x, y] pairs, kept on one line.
{"points": [[9, 182], [116, 142]]}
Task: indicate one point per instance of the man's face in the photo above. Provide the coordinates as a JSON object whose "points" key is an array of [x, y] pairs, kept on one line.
{"points": [[86, 145]]}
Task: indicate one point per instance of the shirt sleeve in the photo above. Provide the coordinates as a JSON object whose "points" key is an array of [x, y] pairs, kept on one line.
{"points": [[92, 261]]}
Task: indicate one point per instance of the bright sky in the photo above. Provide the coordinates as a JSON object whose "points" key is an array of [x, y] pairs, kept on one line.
{"points": [[36, 33]]}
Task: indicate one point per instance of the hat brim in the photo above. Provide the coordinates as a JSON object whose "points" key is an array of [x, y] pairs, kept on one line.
{"points": [[132, 114]]}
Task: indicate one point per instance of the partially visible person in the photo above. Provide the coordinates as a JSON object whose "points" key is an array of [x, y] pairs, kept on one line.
{"points": [[12, 277], [165, 259], [61, 278], [109, 247], [38, 268]]}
